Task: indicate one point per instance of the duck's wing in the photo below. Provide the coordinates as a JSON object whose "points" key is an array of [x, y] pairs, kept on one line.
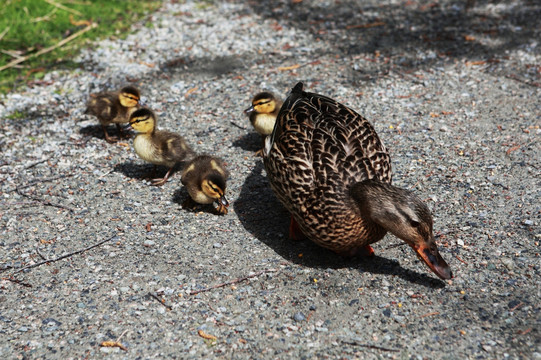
{"points": [[345, 144], [322, 142]]}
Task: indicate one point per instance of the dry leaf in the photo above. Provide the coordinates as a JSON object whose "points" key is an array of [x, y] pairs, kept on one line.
{"points": [[148, 227], [480, 62], [191, 91], [469, 38], [113, 344], [292, 67], [204, 335], [79, 22], [366, 26]]}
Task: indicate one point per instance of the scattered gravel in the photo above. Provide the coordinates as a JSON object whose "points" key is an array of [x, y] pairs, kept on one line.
{"points": [[454, 94]]}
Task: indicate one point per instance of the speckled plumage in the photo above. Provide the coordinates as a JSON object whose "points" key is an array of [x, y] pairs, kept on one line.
{"points": [[113, 107], [329, 168], [320, 148]]}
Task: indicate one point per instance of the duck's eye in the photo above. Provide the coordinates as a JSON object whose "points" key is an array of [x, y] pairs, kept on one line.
{"points": [[414, 223]]}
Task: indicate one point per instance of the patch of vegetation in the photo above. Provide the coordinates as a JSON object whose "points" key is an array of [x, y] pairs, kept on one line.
{"points": [[17, 115], [31, 29]]}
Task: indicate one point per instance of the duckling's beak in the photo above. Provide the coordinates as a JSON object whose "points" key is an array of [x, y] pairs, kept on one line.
{"points": [[431, 256], [223, 201], [249, 110], [128, 129]]}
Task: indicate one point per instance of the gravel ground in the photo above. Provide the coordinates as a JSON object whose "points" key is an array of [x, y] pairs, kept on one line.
{"points": [[454, 94]]}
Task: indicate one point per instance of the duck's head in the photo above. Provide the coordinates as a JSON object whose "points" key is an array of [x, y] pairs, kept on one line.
{"points": [[402, 213], [129, 96], [213, 185], [143, 121], [262, 103]]}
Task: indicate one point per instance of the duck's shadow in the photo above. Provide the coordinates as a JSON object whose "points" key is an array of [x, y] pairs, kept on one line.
{"points": [[249, 142], [265, 218]]}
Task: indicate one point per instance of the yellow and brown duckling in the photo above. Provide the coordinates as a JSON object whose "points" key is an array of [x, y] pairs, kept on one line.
{"points": [[113, 107], [205, 179], [158, 147], [263, 112], [328, 167]]}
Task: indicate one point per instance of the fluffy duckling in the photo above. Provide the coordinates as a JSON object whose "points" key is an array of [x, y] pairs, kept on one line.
{"points": [[155, 146], [113, 108], [262, 114], [205, 178]]}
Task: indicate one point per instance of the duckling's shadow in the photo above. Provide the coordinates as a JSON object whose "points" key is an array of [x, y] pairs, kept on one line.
{"points": [[249, 142], [96, 131], [144, 171], [265, 218], [134, 170]]}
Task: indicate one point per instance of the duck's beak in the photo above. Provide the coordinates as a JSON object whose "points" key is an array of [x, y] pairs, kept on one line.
{"points": [[431, 256], [249, 110]]}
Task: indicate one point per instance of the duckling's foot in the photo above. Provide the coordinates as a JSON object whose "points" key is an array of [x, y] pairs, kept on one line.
{"points": [[189, 204], [295, 232], [108, 138], [221, 209], [259, 153], [158, 182], [123, 134]]}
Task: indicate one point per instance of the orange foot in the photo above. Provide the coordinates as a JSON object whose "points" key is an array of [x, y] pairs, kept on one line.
{"points": [[295, 231], [367, 251]]}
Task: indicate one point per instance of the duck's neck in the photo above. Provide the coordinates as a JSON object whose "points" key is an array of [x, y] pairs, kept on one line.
{"points": [[392, 208]]}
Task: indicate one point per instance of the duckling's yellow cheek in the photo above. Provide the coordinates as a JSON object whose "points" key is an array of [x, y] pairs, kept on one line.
{"points": [[265, 108]]}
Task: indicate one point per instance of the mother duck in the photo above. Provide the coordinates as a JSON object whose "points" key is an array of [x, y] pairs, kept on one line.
{"points": [[328, 167]]}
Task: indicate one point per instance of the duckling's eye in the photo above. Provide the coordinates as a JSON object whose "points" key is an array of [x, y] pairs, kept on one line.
{"points": [[138, 120], [263, 102]]}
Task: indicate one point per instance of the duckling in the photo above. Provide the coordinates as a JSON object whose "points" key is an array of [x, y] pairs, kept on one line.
{"points": [[328, 167], [155, 146], [113, 108], [262, 114], [205, 178]]}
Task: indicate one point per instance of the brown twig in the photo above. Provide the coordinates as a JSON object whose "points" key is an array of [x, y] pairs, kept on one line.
{"points": [[369, 346], [462, 261], [46, 202], [38, 162], [50, 48], [35, 181], [16, 281], [429, 314], [60, 6], [168, 307], [236, 281], [3, 33], [63, 256]]}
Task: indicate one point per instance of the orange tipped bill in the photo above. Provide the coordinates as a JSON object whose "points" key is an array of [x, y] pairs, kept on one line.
{"points": [[431, 256]]}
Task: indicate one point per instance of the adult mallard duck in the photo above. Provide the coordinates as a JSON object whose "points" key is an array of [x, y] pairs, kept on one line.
{"points": [[113, 107], [157, 146], [205, 178], [328, 167], [263, 112]]}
